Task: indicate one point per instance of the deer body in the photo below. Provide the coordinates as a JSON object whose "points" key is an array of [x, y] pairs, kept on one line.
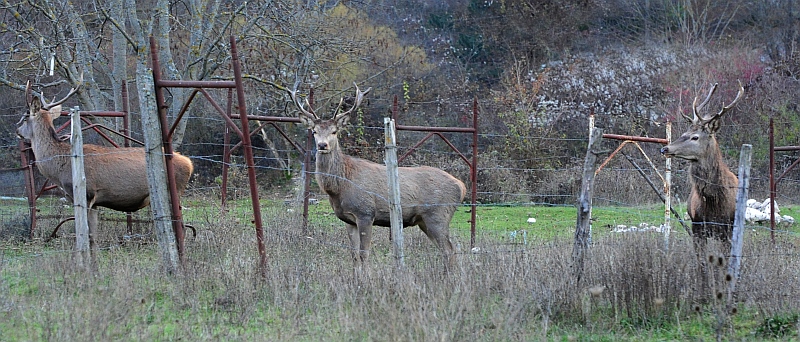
{"points": [[115, 177], [712, 201], [363, 185], [358, 190]]}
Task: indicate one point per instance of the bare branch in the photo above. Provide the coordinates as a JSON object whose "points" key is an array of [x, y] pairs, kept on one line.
{"points": [[120, 28], [293, 94]]}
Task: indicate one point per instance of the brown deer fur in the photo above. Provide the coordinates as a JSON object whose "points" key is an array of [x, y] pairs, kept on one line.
{"points": [[712, 202], [358, 189], [115, 177]]}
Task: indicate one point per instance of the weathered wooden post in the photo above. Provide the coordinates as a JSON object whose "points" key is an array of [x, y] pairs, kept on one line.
{"points": [[395, 210], [584, 226], [739, 220], [82, 248]]}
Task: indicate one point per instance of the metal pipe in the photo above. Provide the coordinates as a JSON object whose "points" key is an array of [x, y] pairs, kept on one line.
{"points": [[248, 155], [474, 172], [635, 138]]}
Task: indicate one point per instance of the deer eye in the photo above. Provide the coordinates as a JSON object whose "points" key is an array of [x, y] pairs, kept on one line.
{"points": [[695, 137]]}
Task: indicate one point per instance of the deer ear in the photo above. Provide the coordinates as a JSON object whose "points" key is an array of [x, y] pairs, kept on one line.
{"points": [[34, 106], [55, 112], [713, 125]]}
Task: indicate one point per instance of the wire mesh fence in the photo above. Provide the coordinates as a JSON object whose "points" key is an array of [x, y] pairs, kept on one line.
{"points": [[529, 183]]}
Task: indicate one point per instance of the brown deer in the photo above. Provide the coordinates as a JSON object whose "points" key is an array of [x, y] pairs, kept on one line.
{"points": [[359, 192], [115, 177], [712, 202]]}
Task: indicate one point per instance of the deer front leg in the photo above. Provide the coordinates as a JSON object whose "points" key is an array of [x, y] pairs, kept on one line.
{"points": [[355, 243], [365, 237], [701, 253]]}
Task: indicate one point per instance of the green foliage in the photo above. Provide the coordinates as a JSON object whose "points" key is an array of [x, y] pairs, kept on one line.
{"points": [[443, 21], [779, 326]]}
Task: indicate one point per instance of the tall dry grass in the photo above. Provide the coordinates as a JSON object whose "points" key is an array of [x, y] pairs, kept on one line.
{"points": [[502, 292]]}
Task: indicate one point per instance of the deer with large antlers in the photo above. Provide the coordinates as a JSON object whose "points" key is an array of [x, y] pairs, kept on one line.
{"points": [[358, 189], [712, 202], [115, 177]]}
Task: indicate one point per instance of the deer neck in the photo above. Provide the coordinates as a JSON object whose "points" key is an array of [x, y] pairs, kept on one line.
{"points": [[49, 151], [709, 175], [332, 171]]}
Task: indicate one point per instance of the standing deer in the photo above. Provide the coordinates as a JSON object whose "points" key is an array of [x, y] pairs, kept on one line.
{"points": [[359, 192], [712, 202], [115, 177]]}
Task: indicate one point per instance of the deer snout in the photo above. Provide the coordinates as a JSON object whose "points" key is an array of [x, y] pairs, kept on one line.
{"points": [[665, 150], [322, 147]]}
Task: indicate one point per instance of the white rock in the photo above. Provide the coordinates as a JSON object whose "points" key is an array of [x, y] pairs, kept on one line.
{"points": [[753, 215], [765, 206]]}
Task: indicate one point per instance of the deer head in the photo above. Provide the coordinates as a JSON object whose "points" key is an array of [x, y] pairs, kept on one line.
{"points": [[699, 141], [40, 109], [325, 131]]}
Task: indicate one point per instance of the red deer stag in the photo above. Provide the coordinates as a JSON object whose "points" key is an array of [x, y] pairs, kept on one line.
{"points": [[712, 202], [358, 188], [115, 177]]}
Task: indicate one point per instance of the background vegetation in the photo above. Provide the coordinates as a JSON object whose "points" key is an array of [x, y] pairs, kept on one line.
{"points": [[537, 69]]}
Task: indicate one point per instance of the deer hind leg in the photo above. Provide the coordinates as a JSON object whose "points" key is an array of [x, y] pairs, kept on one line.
{"points": [[438, 232], [92, 218]]}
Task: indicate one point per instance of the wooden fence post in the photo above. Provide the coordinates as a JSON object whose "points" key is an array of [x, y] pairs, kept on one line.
{"points": [[82, 250], [738, 223], [395, 210], [584, 226]]}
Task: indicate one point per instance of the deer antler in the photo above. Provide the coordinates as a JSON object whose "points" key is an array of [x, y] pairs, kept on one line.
{"points": [[696, 108], [47, 105], [28, 95], [729, 106], [356, 102], [310, 112]]}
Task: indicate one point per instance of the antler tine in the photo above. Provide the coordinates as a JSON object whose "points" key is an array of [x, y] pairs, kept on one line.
{"points": [[46, 105], [359, 97], [696, 108], [28, 95], [680, 108], [710, 92], [299, 104], [729, 106]]}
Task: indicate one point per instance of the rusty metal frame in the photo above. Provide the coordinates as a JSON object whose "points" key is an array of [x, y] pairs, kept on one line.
{"points": [[306, 151], [635, 140], [243, 132], [773, 181], [473, 164]]}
